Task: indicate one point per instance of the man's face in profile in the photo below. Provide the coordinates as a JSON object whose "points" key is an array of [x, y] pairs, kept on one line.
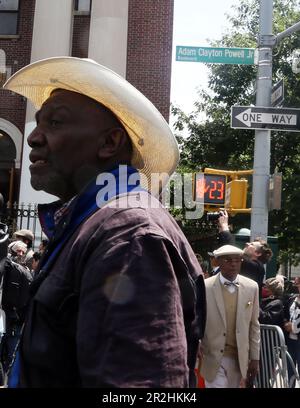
{"points": [[65, 142], [252, 249]]}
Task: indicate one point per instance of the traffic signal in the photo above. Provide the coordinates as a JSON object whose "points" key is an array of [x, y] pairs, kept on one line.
{"points": [[210, 189], [236, 194]]}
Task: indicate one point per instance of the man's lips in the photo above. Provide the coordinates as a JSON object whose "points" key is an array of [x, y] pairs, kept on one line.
{"points": [[38, 164]]}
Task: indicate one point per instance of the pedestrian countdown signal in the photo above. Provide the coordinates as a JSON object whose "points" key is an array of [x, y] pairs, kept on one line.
{"points": [[213, 189], [210, 189]]}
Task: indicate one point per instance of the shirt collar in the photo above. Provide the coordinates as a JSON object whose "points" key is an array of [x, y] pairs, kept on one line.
{"points": [[223, 280], [62, 211], [90, 199]]}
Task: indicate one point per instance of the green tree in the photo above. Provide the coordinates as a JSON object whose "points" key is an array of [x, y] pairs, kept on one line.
{"points": [[212, 143]]}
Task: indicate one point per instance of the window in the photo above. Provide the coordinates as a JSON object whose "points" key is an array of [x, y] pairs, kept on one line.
{"points": [[83, 5], [4, 75], [9, 10], [8, 151]]}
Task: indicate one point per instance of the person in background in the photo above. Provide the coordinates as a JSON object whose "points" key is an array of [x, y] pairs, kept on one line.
{"points": [[257, 253], [43, 245], [27, 237], [271, 307], [214, 265], [35, 262], [231, 343], [17, 252], [292, 330], [224, 237], [204, 266], [15, 280], [271, 312], [114, 302], [289, 290]]}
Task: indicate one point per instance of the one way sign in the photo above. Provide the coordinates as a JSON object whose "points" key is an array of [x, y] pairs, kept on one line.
{"points": [[252, 117]]}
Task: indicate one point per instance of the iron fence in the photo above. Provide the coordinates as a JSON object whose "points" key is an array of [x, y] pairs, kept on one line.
{"points": [[23, 216]]}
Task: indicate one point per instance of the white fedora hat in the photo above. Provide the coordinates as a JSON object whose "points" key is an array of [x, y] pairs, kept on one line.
{"points": [[227, 250], [155, 149]]}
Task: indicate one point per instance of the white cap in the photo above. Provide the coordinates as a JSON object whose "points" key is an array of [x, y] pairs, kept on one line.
{"points": [[17, 246], [227, 250]]}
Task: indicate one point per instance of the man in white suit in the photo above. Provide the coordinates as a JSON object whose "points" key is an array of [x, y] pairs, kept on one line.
{"points": [[231, 343]]}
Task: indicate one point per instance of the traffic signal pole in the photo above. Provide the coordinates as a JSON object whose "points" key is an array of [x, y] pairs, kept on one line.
{"points": [[262, 145]]}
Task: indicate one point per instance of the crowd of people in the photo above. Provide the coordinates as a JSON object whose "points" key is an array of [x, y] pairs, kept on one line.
{"points": [[20, 250], [18, 263], [223, 353], [118, 297]]}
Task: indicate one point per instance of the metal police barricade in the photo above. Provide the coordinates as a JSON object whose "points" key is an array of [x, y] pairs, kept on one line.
{"points": [[274, 358]]}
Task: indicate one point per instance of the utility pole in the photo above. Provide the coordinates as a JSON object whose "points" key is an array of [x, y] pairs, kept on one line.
{"points": [[262, 145]]}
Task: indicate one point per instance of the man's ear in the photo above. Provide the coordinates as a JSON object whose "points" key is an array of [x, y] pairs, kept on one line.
{"points": [[111, 143]]}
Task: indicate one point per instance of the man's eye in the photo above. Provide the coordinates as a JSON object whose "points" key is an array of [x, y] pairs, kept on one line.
{"points": [[54, 122]]}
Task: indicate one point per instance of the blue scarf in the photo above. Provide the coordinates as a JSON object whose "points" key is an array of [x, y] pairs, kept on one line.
{"points": [[99, 192], [121, 180]]}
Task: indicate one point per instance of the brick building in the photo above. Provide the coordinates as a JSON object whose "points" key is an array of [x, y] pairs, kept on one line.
{"points": [[132, 37]]}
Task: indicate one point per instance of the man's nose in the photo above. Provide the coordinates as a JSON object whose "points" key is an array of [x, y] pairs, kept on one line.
{"points": [[36, 137]]}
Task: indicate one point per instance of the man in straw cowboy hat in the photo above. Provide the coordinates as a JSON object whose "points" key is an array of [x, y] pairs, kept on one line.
{"points": [[231, 342], [114, 301]]}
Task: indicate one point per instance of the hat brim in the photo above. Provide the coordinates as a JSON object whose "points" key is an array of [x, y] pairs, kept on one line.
{"points": [[155, 149], [227, 250]]}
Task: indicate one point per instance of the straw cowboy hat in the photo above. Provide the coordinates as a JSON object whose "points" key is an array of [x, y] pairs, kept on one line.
{"points": [[155, 149]]}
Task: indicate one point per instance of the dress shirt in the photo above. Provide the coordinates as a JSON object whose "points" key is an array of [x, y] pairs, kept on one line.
{"points": [[231, 286]]}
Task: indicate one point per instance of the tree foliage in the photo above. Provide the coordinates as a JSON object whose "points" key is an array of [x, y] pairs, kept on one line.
{"points": [[212, 143]]}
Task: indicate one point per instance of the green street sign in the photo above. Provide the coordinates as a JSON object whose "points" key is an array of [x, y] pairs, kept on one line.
{"points": [[245, 56]]}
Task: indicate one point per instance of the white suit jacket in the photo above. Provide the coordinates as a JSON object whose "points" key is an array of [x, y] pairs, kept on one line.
{"points": [[247, 326]]}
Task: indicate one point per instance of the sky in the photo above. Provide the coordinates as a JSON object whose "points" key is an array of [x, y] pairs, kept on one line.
{"points": [[195, 22]]}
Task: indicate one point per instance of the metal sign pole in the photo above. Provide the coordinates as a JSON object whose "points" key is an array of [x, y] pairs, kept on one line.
{"points": [[261, 167]]}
